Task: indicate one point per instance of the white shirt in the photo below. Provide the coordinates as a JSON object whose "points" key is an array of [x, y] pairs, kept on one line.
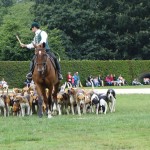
{"points": [[44, 37]]}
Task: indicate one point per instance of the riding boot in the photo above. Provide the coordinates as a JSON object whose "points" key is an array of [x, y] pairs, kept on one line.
{"points": [[29, 75], [60, 77]]}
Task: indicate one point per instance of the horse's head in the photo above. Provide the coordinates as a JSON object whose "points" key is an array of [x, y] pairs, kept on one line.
{"points": [[40, 58]]}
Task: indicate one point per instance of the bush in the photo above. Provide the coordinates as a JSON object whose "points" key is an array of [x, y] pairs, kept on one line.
{"points": [[14, 72]]}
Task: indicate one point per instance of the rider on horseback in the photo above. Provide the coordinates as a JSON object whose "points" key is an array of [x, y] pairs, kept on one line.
{"points": [[39, 38]]}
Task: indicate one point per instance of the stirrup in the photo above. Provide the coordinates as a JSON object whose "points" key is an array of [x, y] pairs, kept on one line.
{"points": [[60, 77], [29, 75]]}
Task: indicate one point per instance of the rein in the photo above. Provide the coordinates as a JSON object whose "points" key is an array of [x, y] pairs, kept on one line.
{"points": [[38, 49]]}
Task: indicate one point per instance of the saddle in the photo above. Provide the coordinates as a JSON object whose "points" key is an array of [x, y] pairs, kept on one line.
{"points": [[52, 60], [49, 56]]}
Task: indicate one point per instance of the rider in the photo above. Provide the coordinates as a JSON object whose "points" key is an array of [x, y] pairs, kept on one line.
{"points": [[39, 38]]}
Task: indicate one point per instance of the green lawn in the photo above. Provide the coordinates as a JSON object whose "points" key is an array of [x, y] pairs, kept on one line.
{"points": [[126, 129], [122, 87]]}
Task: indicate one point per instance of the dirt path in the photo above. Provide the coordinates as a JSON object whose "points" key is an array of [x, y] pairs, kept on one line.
{"points": [[122, 91], [126, 91]]}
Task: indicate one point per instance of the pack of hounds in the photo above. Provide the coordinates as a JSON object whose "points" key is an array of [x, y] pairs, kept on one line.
{"points": [[82, 101], [24, 102]]}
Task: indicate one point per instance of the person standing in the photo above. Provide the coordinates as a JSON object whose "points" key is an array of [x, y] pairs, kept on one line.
{"points": [[40, 38], [101, 82], [69, 77], [76, 79]]}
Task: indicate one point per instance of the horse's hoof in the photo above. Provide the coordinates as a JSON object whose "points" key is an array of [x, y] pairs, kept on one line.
{"points": [[40, 116]]}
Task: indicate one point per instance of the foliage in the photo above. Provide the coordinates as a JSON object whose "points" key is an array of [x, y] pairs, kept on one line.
{"points": [[6, 3], [78, 29], [55, 43], [14, 72], [9, 46], [99, 30]]}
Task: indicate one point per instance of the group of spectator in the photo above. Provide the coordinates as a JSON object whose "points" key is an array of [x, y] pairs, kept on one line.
{"points": [[113, 80], [73, 79], [136, 82], [146, 81], [109, 80], [96, 81]]}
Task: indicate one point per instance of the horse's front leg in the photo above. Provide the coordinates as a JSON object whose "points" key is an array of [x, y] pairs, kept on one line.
{"points": [[41, 98]]}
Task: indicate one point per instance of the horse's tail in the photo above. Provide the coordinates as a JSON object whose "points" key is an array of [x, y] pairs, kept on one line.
{"points": [[69, 85]]}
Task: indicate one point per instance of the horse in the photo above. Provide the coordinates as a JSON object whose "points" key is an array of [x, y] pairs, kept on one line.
{"points": [[45, 77]]}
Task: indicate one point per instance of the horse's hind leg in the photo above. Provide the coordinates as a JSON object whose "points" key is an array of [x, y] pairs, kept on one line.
{"points": [[50, 103], [49, 108], [56, 89]]}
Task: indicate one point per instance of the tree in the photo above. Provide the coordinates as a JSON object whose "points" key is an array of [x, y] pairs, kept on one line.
{"points": [[9, 46], [6, 3], [97, 29], [79, 29]]}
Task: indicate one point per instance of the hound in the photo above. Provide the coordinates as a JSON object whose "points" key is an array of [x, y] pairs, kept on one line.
{"points": [[63, 102], [103, 106], [111, 99], [95, 102], [2, 106]]}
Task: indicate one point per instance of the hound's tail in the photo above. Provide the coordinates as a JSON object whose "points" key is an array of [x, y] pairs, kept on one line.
{"points": [[69, 85], [92, 85]]}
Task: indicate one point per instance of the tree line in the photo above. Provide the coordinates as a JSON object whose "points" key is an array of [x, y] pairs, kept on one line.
{"points": [[83, 29]]}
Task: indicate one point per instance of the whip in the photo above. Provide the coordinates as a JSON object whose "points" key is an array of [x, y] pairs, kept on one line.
{"points": [[18, 39]]}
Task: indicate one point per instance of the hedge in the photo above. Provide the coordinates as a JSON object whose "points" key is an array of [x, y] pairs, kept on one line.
{"points": [[14, 72]]}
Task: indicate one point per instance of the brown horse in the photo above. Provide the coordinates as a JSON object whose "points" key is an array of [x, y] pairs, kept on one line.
{"points": [[45, 77]]}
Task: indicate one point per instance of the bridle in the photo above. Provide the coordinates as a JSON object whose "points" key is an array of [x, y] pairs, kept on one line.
{"points": [[40, 53]]}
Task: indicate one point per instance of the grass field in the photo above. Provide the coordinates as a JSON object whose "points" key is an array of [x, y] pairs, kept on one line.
{"points": [[126, 129], [122, 87]]}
